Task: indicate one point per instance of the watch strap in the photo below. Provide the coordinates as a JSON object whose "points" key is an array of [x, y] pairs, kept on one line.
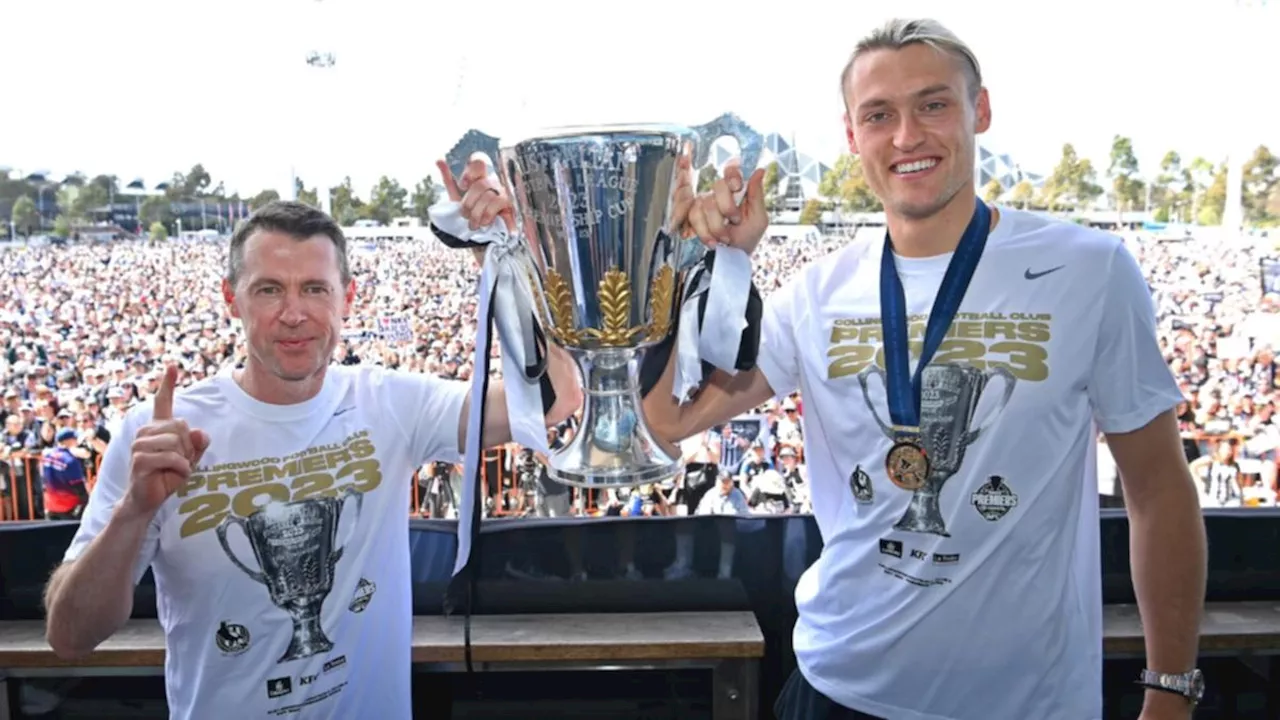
{"points": [[1189, 685]]}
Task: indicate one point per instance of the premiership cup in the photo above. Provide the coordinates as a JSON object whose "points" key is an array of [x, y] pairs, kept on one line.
{"points": [[949, 396], [596, 214], [296, 545]]}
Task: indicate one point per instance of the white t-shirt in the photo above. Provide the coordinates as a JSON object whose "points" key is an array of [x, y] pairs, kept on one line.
{"points": [[324, 486], [1000, 617]]}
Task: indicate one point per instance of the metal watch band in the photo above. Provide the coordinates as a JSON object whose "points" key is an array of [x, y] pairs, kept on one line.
{"points": [[1189, 685]]}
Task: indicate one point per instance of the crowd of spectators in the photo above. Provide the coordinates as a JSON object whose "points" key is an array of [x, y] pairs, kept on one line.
{"points": [[86, 328]]}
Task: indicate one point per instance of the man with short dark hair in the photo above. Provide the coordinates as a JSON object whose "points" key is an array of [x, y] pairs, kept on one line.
{"points": [[269, 500]]}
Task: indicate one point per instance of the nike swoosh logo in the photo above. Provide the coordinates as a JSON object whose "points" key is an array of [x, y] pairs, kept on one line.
{"points": [[1032, 276], [339, 411]]}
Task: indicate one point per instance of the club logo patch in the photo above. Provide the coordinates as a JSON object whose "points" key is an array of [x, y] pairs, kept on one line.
{"points": [[860, 484], [231, 638]]}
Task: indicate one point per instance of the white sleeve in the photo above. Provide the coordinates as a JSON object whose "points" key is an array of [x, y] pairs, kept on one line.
{"points": [[428, 410], [778, 359], [1129, 383], [112, 483]]}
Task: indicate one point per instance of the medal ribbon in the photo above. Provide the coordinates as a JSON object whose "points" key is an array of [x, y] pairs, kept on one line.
{"points": [[902, 386]]}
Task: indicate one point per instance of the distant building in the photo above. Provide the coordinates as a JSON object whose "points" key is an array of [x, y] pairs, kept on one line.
{"points": [[1001, 168], [798, 174]]}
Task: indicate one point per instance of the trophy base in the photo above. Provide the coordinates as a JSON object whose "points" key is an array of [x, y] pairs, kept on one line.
{"points": [[308, 637], [613, 446], [923, 515]]}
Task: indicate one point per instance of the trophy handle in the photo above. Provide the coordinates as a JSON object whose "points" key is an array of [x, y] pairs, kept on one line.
{"points": [[1009, 382], [750, 142], [346, 494], [474, 141], [862, 380], [227, 522]]}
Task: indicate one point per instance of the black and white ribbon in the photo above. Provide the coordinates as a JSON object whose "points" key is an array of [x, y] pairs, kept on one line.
{"points": [[506, 300], [713, 316]]}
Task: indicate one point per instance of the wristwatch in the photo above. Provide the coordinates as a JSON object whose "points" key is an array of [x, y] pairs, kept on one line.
{"points": [[1189, 685]]}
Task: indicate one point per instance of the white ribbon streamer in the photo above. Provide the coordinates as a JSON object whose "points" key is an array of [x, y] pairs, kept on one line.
{"points": [[718, 338], [504, 284]]}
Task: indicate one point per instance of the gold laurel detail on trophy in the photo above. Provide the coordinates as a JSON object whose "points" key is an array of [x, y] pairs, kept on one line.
{"points": [[560, 302], [614, 296], [661, 296]]}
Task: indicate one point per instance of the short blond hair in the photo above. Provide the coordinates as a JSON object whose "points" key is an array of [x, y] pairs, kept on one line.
{"points": [[898, 33]]}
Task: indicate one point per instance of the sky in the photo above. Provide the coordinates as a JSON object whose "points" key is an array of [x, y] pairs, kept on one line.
{"points": [[143, 88]]}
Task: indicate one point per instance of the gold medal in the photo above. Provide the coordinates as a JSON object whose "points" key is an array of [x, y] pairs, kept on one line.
{"points": [[907, 465]]}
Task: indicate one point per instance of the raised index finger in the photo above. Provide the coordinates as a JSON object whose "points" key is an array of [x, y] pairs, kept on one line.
{"points": [[163, 409]]}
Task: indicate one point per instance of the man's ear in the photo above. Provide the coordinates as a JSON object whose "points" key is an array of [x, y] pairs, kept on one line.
{"points": [[229, 297], [349, 298], [982, 112]]}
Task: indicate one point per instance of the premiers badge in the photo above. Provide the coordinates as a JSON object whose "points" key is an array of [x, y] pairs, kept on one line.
{"points": [[907, 465], [860, 484], [994, 500]]}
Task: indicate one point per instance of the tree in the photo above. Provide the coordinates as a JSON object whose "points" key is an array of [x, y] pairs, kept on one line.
{"points": [[1260, 179], [1214, 199], [195, 183], [305, 196], [92, 197], [1071, 186], [158, 232], [811, 213], [706, 178], [1056, 191], [846, 185], [1126, 188], [1022, 195], [1165, 193], [155, 209], [67, 195], [344, 204], [1273, 206], [1086, 189], [24, 215], [772, 201], [386, 201], [424, 196], [992, 191], [62, 226], [1199, 174], [262, 198]]}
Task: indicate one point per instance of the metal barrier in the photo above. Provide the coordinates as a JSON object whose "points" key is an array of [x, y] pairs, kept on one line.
{"points": [[432, 495]]}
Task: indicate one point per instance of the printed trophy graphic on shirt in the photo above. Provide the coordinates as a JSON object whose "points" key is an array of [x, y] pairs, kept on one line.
{"points": [[296, 545], [597, 219], [949, 397]]}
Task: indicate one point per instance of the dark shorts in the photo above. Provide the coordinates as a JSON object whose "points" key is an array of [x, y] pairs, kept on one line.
{"points": [[799, 701]]}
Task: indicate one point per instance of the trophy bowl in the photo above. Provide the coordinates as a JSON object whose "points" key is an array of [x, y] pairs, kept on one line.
{"points": [[595, 209]]}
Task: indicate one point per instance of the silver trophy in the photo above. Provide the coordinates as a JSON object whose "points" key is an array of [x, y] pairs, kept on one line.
{"points": [[949, 397], [296, 545], [598, 221]]}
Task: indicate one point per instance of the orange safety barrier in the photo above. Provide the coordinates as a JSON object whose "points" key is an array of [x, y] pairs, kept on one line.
{"points": [[20, 499]]}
